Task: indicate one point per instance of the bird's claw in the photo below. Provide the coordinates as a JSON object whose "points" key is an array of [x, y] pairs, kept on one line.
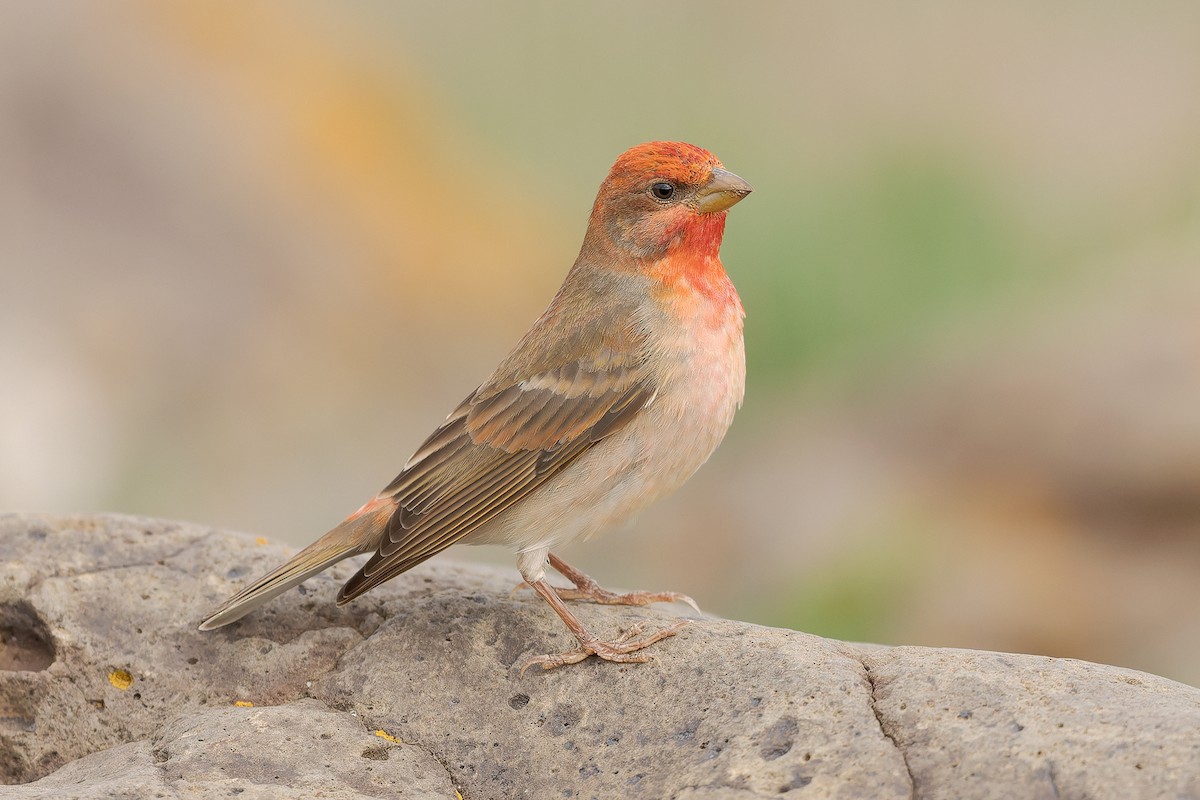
{"points": [[623, 650], [586, 588], [594, 594]]}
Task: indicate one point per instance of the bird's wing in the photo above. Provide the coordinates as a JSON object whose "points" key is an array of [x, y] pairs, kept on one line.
{"points": [[504, 441]]}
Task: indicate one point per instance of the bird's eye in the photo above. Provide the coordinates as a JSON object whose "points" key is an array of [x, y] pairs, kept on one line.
{"points": [[662, 190]]}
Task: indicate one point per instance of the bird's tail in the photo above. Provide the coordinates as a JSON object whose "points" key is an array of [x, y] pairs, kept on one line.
{"points": [[359, 533]]}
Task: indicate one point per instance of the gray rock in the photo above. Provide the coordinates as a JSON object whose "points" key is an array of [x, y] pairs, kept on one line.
{"points": [[108, 690], [298, 750]]}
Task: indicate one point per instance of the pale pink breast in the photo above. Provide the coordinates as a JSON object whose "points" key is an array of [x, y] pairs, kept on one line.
{"points": [[701, 384]]}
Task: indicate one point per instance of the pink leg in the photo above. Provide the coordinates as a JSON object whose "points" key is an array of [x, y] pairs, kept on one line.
{"points": [[588, 589], [623, 649]]}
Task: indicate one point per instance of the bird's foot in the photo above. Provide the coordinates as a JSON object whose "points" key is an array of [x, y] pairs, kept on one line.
{"points": [[588, 590], [593, 593], [624, 649]]}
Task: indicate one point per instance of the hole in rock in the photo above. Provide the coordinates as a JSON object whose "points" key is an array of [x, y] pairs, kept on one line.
{"points": [[26, 643]]}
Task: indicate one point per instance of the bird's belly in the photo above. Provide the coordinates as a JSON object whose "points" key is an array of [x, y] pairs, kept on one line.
{"points": [[651, 457]]}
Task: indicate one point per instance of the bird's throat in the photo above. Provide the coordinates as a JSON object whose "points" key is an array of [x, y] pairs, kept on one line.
{"points": [[692, 261], [695, 236]]}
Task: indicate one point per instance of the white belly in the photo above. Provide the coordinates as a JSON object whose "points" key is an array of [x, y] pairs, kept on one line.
{"points": [[649, 458]]}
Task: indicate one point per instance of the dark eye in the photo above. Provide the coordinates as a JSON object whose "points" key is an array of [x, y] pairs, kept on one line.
{"points": [[662, 190]]}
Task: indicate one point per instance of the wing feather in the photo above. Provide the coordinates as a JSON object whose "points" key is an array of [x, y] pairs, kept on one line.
{"points": [[442, 533], [499, 445]]}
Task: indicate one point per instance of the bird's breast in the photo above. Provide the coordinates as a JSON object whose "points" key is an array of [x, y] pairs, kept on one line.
{"points": [[700, 371], [698, 363], [702, 365]]}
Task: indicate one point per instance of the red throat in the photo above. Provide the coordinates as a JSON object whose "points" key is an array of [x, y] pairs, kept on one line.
{"points": [[696, 236], [692, 259]]}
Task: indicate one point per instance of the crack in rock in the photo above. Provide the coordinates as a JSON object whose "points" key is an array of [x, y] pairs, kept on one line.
{"points": [[883, 726], [161, 561], [370, 726], [337, 664], [1053, 780], [368, 723]]}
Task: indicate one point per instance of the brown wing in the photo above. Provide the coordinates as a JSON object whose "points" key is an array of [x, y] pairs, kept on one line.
{"points": [[500, 444]]}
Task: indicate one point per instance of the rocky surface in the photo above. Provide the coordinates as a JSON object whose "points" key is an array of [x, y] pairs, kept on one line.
{"points": [[108, 690]]}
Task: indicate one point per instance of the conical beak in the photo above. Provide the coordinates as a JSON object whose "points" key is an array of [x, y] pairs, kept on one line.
{"points": [[722, 191]]}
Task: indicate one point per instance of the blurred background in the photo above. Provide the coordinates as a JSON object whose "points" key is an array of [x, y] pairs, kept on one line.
{"points": [[251, 253]]}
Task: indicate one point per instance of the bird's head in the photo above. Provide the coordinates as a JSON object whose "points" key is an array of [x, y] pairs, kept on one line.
{"points": [[662, 197]]}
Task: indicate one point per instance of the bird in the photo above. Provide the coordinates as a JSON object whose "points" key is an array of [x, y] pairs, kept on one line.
{"points": [[618, 393]]}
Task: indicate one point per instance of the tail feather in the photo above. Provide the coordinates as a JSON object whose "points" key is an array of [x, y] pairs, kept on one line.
{"points": [[359, 533]]}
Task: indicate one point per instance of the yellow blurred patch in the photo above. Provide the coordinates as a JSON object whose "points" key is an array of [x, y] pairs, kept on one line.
{"points": [[356, 129], [243, 704], [382, 734], [121, 679], [260, 540]]}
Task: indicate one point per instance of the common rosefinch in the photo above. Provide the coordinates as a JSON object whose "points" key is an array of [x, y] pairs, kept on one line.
{"points": [[617, 394]]}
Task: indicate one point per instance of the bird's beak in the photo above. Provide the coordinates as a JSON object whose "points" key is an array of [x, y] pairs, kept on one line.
{"points": [[722, 191]]}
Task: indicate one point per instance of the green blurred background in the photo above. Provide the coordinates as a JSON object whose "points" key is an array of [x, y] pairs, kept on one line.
{"points": [[251, 253]]}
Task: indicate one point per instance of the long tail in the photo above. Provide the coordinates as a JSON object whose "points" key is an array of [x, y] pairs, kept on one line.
{"points": [[359, 533]]}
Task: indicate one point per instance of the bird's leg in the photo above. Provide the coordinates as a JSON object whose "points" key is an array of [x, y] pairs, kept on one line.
{"points": [[588, 589], [623, 649]]}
